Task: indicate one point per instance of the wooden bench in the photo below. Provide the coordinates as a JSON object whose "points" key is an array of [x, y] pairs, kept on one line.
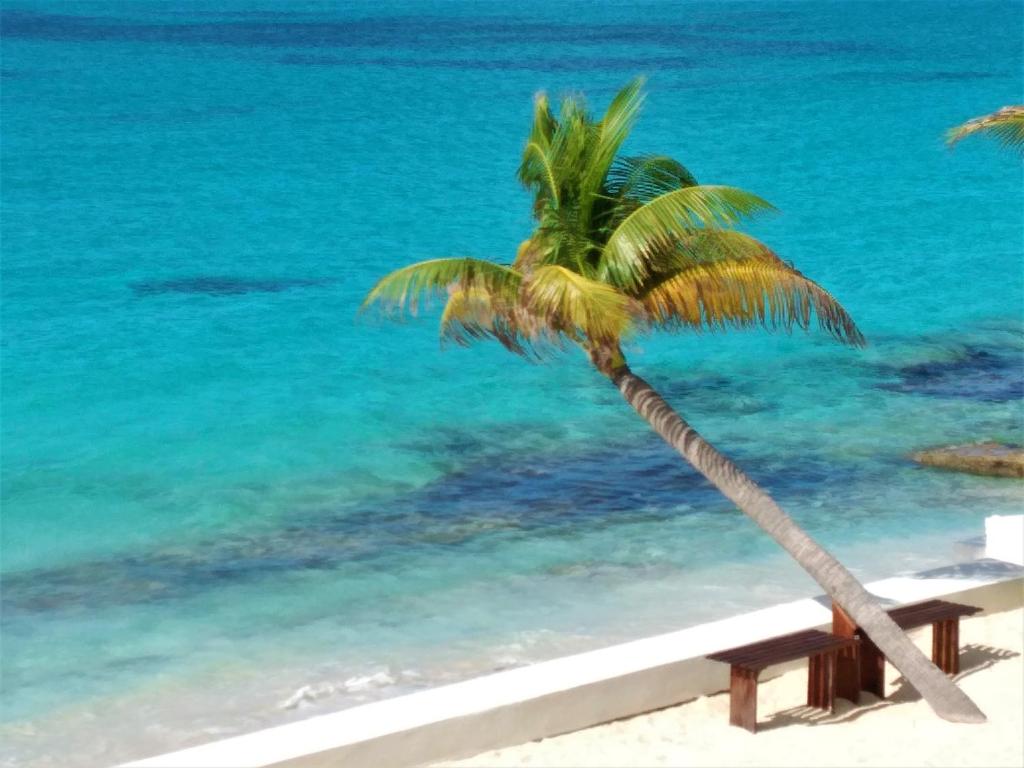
{"points": [[868, 672], [747, 661]]}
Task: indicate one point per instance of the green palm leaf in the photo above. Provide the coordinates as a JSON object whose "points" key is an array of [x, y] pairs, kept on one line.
{"points": [[612, 131], [536, 171], [569, 144], [560, 240], [626, 258], [1006, 125], [644, 178], [540, 168], [404, 288]]}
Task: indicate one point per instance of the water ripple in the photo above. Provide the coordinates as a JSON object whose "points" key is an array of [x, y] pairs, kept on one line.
{"points": [[420, 32]]}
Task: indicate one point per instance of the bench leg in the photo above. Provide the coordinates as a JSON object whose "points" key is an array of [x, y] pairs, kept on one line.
{"points": [[843, 624], [946, 645], [821, 681], [848, 674], [848, 663], [743, 698], [872, 668]]}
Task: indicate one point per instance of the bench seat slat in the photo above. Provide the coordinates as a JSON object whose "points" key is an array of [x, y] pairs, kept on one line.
{"points": [[757, 656], [911, 616], [796, 645]]}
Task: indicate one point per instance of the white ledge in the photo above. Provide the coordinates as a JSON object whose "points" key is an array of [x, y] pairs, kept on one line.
{"points": [[566, 694]]}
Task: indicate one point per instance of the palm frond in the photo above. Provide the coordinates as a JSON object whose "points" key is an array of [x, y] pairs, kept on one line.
{"points": [[570, 146], [536, 157], [612, 131], [634, 181], [746, 292], [531, 253], [709, 246], [646, 177], [557, 241], [568, 303], [536, 171], [544, 123], [626, 257], [701, 248], [1006, 125], [404, 288], [473, 314]]}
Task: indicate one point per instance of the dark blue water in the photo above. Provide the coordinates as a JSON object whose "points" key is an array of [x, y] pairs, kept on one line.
{"points": [[221, 488]]}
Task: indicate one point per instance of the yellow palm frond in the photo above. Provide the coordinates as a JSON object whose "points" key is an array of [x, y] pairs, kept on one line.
{"points": [[531, 253], [473, 314], [564, 301], [701, 247], [404, 288], [1006, 124], [746, 292]]}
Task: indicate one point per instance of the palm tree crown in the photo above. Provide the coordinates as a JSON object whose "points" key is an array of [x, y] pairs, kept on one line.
{"points": [[622, 244]]}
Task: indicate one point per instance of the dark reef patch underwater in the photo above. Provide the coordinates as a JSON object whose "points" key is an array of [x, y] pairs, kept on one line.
{"points": [[985, 373], [219, 285], [486, 504]]}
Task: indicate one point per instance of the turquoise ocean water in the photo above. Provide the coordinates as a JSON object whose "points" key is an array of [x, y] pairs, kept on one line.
{"points": [[229, 502]]}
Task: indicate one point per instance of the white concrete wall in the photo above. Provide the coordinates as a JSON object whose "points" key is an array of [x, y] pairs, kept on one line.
{"points": [[567, 694], [1004, 538]]}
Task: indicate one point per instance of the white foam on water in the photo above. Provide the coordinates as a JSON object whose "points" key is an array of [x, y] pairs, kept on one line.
{"points": [[308, 694]]}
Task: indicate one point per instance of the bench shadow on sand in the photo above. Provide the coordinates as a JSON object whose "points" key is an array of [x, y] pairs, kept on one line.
{"points": [[974, 658]]}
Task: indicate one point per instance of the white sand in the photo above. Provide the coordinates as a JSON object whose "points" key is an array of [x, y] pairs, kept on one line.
{"points": [[898, 731]]}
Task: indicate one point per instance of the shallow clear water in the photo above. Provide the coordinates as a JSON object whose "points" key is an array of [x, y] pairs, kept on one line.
{"points": [[220, 486]]}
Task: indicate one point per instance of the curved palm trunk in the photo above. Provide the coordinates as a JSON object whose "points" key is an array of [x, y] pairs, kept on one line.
{"points": [[939, 691]]}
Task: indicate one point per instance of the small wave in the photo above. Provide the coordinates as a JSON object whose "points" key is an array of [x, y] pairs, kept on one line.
{"points": [[314, 692], [308, 694], [366, 682]]}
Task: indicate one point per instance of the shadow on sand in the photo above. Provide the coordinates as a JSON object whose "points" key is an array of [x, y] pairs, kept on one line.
{"points": [[974, 658]]}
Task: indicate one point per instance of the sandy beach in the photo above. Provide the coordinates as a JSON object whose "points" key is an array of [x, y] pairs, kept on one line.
{"points": [[898, 731]]}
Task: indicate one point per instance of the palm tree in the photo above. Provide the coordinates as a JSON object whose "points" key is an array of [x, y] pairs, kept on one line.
{"points": [[626, 244], [1006, 125]]}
